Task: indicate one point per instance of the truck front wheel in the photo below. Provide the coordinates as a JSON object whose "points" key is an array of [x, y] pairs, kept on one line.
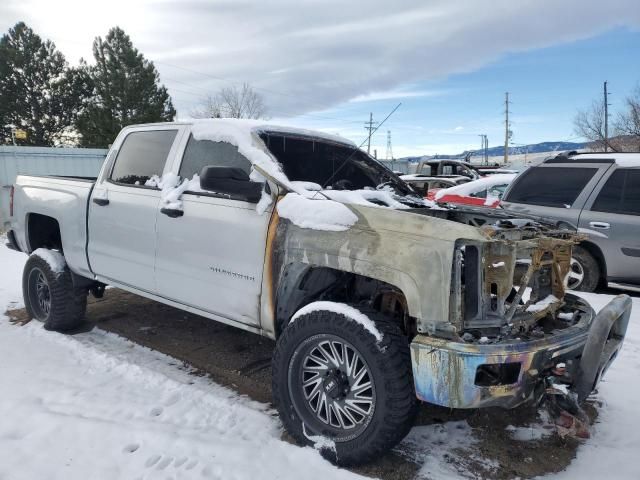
{"points": [[49, 295], [342, 382]]}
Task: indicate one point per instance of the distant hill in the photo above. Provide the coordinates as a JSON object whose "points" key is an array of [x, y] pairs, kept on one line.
{"points": [[499, 151], [534, 148]]}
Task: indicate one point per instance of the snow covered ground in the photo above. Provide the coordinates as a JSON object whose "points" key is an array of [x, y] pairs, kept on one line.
{"points": [[97, 406]]}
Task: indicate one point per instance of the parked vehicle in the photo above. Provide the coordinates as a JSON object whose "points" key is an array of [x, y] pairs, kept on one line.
{"points": [[422, 184], [375, 298], [597, 194], [447, 168], [484, 192]]}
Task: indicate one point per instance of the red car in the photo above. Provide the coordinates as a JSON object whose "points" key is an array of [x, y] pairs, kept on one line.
{"points": [[484, 192]]}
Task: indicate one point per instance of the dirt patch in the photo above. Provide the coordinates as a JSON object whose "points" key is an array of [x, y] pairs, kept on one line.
{"points": [[241, 361]]}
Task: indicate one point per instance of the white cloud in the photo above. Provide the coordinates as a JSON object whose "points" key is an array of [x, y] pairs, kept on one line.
{"points": [[397, 94], [309, 55]]}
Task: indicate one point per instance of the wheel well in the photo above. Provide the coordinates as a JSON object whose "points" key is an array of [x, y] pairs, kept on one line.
{"points": [[43, 232], [302, 284], [596, 253]]}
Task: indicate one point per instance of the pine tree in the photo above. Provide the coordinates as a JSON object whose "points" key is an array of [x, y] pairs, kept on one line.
{"points": [[38, 93], [126, 91]]}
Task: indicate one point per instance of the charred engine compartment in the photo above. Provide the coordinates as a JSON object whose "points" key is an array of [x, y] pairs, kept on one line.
{"points": [[511, 286]]}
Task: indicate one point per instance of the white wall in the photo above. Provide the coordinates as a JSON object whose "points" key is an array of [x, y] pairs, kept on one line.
{"points": [[81, 162]]}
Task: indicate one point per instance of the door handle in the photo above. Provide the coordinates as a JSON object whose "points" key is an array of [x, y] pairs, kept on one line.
{"points": [[600, 225], [101, 201], [172, 212]]}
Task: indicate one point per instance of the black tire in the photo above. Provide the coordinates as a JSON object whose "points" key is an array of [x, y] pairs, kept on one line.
{"points": [[586, 266], [50, 296], [389, 366]]}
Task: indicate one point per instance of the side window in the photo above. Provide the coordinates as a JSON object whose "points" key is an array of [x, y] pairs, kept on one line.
{"points": [[621, 193], [201, 153], [550, 187], [426, 170], [142, 155], [480, 194]]}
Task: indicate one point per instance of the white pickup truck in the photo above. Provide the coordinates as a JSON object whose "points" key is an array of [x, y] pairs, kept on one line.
{"points": [[376, 296]]}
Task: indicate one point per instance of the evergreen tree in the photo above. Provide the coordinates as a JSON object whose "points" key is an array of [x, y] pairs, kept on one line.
{"points": [[126, 90], [38, 93]]}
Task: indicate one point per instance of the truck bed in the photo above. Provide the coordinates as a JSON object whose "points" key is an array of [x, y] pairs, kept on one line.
{"points": [[62, 198]]}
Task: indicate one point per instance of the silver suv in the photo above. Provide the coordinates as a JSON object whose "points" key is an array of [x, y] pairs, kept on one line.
{"points": [[599, 195]]}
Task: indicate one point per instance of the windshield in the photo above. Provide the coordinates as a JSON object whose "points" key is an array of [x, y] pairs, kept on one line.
{"points": [[331, 165]]}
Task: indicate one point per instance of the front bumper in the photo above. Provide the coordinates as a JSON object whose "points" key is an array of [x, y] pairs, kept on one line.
{"points": [[449, 373]]}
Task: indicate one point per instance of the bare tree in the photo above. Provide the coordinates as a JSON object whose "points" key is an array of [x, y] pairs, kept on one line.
{"points": [[233, 102], [628, 121], [589, 124]]}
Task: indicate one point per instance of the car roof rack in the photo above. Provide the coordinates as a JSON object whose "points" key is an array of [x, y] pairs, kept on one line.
{"points": [[570, 157]]}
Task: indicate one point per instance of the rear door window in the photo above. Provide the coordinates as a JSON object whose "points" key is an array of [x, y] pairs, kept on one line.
{"points": [[621, 193], [142, 155], [550, 187]]}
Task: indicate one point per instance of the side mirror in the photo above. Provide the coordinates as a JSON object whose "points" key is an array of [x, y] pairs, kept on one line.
{"points": [[230, 181]]}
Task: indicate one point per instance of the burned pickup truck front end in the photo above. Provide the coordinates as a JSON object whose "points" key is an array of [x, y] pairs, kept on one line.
{"points": [[512, 328]]}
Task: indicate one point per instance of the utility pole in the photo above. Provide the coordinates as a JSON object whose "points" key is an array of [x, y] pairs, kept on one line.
{"points": [[484, 148], [369, 126], [507, 131], [606, 118]]}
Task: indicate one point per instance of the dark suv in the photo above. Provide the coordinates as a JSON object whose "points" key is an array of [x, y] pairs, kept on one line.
{"points": [[599, 195]]}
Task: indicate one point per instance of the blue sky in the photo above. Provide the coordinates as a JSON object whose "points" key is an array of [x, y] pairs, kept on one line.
{"points": [[328, 63], [547, 86]]}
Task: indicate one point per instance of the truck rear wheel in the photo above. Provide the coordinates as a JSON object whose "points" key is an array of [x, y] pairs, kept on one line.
{"points": [[341, 388], [49, 295]]}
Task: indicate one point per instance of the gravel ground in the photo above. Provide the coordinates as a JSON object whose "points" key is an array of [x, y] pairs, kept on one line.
{"points": [[241, 361]]}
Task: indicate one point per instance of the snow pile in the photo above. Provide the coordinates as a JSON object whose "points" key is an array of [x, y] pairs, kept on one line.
{"points": [[172, 187], [367, 198], [542, 304], [441, 448], [535, 431], [612, 450], [477, 186], [11, 266], [316, 214], [54, 259], [343, 309], [95, 405]]}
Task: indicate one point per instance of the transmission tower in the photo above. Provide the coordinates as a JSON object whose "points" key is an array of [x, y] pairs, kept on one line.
{"points": [[389, 149]]}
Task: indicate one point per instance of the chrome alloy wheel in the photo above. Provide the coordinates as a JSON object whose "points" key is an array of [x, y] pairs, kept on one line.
{"points": [[40, 293], [575, 276], [332, 387]]}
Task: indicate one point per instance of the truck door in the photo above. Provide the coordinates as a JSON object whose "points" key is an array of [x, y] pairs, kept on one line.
{"points": [[212, 256], [612, 219], [123, 210]]}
